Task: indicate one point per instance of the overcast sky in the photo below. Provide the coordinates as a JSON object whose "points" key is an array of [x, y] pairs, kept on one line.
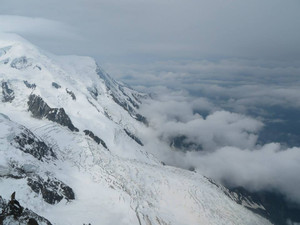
{"points": [[140, 30], [236, 60]]}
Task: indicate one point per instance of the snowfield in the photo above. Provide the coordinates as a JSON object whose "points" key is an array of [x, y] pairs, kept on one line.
{"points": [[113, 179]]}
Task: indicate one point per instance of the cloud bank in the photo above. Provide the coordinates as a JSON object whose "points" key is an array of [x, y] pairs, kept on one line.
{"points": [[33, 26], [173, 118], [264, 168], [229, 148]]}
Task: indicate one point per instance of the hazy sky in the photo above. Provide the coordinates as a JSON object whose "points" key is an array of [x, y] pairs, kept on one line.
{"points": [[140, 30]]}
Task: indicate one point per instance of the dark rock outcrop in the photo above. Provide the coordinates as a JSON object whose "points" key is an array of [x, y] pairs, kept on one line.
{"points": [[130, 109], [71, 93], [133, 137], [40, 109], [277, 208], [7, 92], [270, 205], [93, 92], [182, 143], [27, 142], [6, 218], [21, 63], [95, 138], [59, 116], [126, 99], [243, 199], [56, 85], [38, 67], [4, 61], [52, 189], [141, 118], [27, 84]]}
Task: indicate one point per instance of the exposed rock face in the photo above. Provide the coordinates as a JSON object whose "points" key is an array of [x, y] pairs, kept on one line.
{"points": [[38, 67], [181, 142], [133, 137], [127, 100], [94, 92], [271, 205], [27, 142], [59, 116], [95, 138], [71, 93], [277, 209], [40, 109], [141, 118], [243, 199], [130, 110], [56, 85], [7, 92], [27, 84], [5, 218], [52, 189], [21, 63]]}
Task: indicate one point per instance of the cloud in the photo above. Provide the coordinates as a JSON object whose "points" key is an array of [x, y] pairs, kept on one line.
{"points": [[34, 26], [264, 168], [54, 35], [175, 118], [230, 152], [128, 30], [234, 83]]}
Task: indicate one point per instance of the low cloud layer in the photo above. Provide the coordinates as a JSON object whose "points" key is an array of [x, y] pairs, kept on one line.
{"points": [[265, 90], [175, 118], [229, 150], [229, 114], [264, 168], [238, 83]]}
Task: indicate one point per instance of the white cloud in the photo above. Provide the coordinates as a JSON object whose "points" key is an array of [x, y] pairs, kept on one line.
{"points": [[176, 115], [266, 168], [230, 153], [41, 27], [137, 30], [234, 83]]}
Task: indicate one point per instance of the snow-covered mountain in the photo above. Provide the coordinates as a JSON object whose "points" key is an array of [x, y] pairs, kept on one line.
{"points": [[71, 149]]}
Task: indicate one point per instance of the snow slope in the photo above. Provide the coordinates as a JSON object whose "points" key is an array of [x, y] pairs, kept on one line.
{"points": [[114, 181]]}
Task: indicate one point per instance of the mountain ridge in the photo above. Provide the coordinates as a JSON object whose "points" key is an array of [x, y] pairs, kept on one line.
{"points": [[69, 176]]}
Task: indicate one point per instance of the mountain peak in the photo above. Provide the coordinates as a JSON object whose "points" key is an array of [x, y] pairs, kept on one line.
{"points": [[72, 147]]}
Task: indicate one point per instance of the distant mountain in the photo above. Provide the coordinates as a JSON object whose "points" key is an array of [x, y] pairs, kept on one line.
{"points": [[72, 150]]}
